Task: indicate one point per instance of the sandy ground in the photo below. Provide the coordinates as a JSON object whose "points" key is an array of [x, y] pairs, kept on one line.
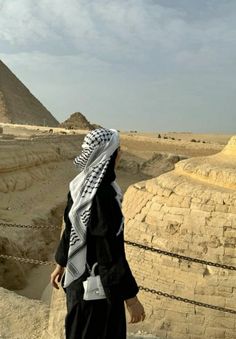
{"points": [[145, 155]]}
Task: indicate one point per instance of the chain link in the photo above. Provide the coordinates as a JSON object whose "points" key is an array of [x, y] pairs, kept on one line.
{"points": [[147, 248], [182, 257], [146, 289], [185, 300], [47, 227], [27, 260]]}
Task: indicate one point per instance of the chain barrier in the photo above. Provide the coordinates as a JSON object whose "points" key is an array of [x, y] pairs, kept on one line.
{"points": [[142, 288], [179, 256], [185, 300], [46, 227], [148, 248], [26, 260]]}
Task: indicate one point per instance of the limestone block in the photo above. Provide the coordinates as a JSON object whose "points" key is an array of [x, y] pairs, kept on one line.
{"points": [[152, 187], [180, 210], [196, 206], [199, 215], [197, 329], [137, 200], [214, 231], [232, 209], [229, 232], [193, 224], [146, 208], [153, 217], [214, 332], [233, 220], [175, 200], [224, 291], [172, 228], [205, 290], [218, 222], [215, 254], [230, 252], [194, 318], [56, 316], [140, 217], [231, 302], [174, 218], [221, 208], [229, 334], [207, 207], [156, 206], [178, 328], [214, 242], [230, 242], [186, 202], [177, 306]]}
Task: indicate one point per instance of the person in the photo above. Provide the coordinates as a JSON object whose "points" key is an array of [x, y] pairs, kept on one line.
{"points": [[93, 233]]}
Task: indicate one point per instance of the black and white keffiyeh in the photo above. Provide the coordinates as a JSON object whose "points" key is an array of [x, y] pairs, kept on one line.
{"points": [[97, 149]]}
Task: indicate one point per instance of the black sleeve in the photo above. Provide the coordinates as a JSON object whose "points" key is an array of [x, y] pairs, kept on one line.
{"points": [[61, 255], [105, 223]]}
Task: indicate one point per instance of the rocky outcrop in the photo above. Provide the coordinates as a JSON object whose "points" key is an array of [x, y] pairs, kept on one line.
{"points": [[18, 105], [78, 121], [34, 177], [190, 211], [157, 163], [21, 317]]}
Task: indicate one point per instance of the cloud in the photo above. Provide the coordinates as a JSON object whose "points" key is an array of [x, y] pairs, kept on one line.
{"points": [[130, 56], [114, 31], [123, 32]]}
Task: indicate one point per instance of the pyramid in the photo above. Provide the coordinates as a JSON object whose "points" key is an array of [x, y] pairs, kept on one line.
{"points": [[18, 105], [78, 121]]}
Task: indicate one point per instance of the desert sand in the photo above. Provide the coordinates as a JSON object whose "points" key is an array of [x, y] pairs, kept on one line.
{"points": [[36, 167]]}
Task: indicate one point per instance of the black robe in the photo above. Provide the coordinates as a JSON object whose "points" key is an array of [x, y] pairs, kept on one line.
{"points": [[100, 319]]}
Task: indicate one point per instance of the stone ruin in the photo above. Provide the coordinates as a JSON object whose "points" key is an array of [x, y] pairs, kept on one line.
{"points": [[190, 211]]}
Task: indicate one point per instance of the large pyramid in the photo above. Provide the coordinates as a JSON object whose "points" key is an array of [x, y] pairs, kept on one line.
{"points": [[18, 105]]}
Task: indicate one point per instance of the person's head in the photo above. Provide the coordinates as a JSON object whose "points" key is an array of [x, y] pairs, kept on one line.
{"points": [[98, 147]]}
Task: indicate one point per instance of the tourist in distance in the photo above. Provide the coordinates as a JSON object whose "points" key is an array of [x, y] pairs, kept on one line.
{"points": [[97, 279]]}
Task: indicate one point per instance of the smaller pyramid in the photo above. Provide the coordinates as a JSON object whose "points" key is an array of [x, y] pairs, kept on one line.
{"points": [[18, 105], [78, 121]]}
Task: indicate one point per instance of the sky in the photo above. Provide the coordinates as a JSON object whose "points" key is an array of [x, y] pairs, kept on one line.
{"points": [[146, 65]]}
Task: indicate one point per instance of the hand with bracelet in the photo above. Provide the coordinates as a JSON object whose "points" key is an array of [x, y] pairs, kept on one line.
{"points": [[135, 309]]}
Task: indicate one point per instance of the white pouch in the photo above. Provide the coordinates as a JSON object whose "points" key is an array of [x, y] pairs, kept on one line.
{"points": [[93, 289]]}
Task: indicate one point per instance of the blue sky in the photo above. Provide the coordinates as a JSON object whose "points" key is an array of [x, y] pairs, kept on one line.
{"points": [[147, 65]]}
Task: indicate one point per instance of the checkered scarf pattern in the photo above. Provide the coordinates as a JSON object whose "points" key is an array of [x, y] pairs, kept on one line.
{"points": [[97, 148]]}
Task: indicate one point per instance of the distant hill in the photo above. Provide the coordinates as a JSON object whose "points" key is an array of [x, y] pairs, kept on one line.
{"points": [[78, 121], [18, 105]]}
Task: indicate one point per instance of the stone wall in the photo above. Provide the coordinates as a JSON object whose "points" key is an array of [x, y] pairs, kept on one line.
{"points": [[190, 211]]}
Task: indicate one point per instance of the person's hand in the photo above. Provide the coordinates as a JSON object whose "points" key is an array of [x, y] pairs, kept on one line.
{"points": [[135, 309], [56, 276]]}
